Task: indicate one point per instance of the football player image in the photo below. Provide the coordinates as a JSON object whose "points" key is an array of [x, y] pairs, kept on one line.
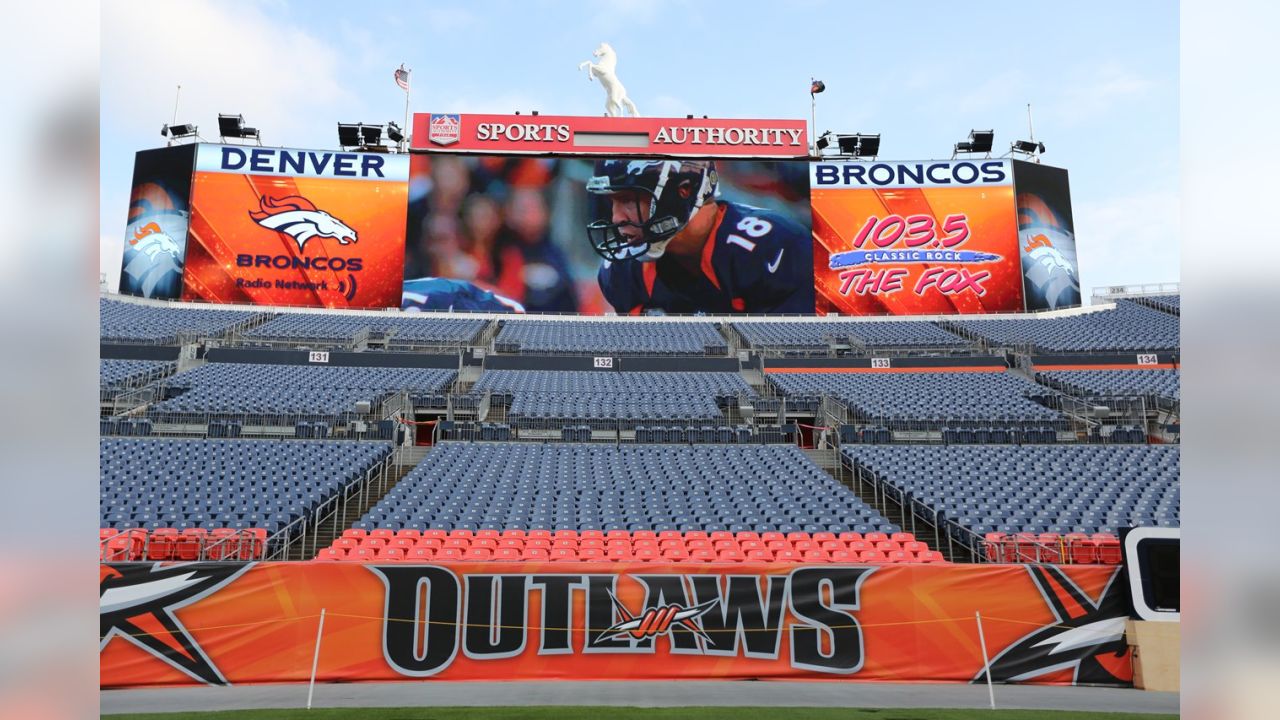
{"points": [[671, 246]]}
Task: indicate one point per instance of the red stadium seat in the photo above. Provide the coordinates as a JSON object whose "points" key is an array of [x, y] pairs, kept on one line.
{"points": [[489, 534], [619, 554], [484, 542], [385, 533], [411, 533], [535, 553], [776, 545], [669, 535], [404, 543], [902, 537], [675, 553], [848, 537], [591, 535], [420, 554], [330, 555], [1109, 552], [759, 556], [355, 533], [591, 542], [914, 546], [697, 544], [931, 556], [748, 535], [696, 535], [617, 535], [461, 534], [563, 554], [768, 536], [565, 534], [591, 553], [429, 542], [449, 553], [564, 542], [787, 556], [875, 537], [887, 546], [540, 534], [644, 535], [375, 543], [702, 554], [362, 554], [844, 556], [804, 545], [728, 544], [901, 556], [187, 547], [461, 543], [390, 553], [647, 554], [478, 553], [748, 545], [816, 555], [438, 534], [513, 534], [719, 535], [732, 555], [1084, 552], [508, 554], [797, 535], [872, 556]]}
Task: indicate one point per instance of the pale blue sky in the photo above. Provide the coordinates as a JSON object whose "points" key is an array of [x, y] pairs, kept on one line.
{"points": [[1102, 78]]}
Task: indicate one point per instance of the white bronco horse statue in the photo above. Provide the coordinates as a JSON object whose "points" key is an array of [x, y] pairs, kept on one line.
{"points": [[616, 96]]}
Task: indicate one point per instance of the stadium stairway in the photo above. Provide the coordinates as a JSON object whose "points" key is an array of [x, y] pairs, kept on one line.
{"points": [[406, 459]]}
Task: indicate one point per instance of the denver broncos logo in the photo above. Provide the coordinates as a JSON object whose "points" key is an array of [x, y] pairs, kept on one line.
{"points": [[301, 220]]}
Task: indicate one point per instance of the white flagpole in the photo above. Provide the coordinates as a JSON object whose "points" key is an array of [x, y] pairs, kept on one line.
{"points": [[406, 129], [315, 659]]}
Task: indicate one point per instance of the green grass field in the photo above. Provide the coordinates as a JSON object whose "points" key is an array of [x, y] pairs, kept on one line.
{"points": [[635, 713]]}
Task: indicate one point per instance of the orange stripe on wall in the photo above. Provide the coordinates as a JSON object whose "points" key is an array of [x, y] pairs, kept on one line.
{"points": [[1109, 366], [963, 368]]}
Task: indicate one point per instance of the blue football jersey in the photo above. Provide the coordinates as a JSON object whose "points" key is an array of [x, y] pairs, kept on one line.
{"points": [[755, 261]]}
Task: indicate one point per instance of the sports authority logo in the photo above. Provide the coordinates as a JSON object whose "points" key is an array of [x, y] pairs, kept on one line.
{"points": [[1086, 637], [444, 129], [137, 603], [301, 220], [656, 621]]}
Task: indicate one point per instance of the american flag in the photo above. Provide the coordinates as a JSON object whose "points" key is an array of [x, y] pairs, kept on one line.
{"points": [[402, 78]]}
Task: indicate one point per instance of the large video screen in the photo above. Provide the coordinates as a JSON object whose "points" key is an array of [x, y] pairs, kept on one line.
{"points": [[274, 226], [629, 236], [156, 233], [1046, 236]]}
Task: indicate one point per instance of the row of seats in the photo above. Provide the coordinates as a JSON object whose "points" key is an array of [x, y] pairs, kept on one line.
{"points": [[610, 338], [998, 436], [120, 321], [1162, 383], [125, 426], [723, 435], [1129, 327], [239, 484], [877, 334], [289, 392], [619, 545], [114, 374], [396, 328], [978, 489], [191, 544], [632, 487], [1166, 303], [1072, 548], [926, 400]]}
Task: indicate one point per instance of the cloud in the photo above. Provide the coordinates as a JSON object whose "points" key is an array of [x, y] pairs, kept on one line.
{"points": [[1109, 87], [1128, 239], [228, 58]]}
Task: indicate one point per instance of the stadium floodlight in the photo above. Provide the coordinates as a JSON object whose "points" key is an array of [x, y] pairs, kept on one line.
{"points": [[179, 132], [859, 145], [394, 134], [349, 134], [824, 141], [1030, 148], [979, 142], [371, 135], [233, 127]]}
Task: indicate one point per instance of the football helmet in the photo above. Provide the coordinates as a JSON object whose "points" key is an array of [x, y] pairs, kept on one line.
{"points": [[666, 194]]}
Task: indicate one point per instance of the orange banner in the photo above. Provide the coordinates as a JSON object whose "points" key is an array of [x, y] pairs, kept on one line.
{"points": [[219, 623]]}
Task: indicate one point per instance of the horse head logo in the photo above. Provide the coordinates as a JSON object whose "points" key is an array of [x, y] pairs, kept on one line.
{"points": [[298, 218]]}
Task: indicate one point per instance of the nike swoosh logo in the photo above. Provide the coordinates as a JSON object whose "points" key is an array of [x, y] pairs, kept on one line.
{"points": [[773, 266]]}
